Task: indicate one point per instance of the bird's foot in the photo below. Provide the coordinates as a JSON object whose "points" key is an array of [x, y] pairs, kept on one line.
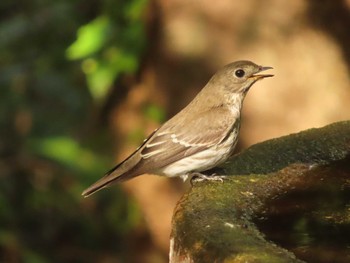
{"points": [[198, 177]]}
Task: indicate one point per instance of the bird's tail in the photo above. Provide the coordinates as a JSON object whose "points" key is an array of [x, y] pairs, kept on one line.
{"points": [[113, 176], [127, 169], [105, 181]]}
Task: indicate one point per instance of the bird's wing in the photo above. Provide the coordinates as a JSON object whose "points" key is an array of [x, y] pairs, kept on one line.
{"points": [[174, 142]]}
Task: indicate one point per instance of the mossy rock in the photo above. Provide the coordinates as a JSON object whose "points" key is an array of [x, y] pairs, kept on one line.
{"points": [[219, 222]]}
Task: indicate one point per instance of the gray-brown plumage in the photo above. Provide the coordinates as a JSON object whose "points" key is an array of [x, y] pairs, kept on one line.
{"points": [[199, 137]]}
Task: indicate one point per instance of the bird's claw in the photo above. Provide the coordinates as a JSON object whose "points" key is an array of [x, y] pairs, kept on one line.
{"points": [[198, 177]]}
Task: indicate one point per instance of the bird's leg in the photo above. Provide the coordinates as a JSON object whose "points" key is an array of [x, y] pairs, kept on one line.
{"points": [[199, 177]]}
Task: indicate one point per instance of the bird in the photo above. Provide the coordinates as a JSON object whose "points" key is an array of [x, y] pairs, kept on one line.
{"points": [[198, 138]]}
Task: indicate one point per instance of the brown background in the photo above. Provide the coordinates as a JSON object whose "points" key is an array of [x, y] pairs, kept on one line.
{"points": [[307, 43]]}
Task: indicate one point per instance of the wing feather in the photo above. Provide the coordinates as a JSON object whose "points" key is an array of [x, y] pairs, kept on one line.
{"points": [[174, 142]]}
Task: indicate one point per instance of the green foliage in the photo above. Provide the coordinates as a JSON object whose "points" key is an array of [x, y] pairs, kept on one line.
{"points": [[91, 38], [109, 45], [155, 113], [68, 152], [50, 148]]}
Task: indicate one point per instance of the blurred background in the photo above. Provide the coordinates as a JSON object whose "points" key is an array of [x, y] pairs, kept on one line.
{"points": [[82, 83]]}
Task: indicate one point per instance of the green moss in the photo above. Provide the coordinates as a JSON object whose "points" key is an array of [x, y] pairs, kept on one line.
{"points": [[213, 221], [314, 146]]}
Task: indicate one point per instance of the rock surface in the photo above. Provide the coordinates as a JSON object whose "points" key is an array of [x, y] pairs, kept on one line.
{"points": [[216, 222]]}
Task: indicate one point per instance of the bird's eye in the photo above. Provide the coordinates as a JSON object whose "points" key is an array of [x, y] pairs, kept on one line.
{"points": [[239, 73]]}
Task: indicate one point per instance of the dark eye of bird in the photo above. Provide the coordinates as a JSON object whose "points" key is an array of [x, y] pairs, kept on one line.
{"points": [[239, 73]]}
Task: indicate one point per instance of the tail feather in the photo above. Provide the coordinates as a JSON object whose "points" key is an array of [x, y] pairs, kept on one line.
{"points": [[105, 181], [109, 179], [125, 170]]}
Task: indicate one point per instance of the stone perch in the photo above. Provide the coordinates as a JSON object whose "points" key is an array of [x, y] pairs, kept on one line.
{"points": [[218, 222]]}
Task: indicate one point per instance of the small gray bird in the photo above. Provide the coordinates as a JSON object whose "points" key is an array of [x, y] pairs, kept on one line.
{"points": [[198, 138]]}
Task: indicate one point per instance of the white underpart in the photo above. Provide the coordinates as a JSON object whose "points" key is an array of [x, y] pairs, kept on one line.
{"points": [[235, 100]]}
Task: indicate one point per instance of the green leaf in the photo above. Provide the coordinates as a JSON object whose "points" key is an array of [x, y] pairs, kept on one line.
{"points": [[135, 9], [155, 113], [91, 38], [101, 74], [68, 152]]}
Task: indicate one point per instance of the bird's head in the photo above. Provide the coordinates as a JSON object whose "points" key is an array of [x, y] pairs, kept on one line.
{"points": [[239, 76]]}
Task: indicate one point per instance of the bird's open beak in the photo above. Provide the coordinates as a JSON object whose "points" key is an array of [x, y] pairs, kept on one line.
{"points": [[261, 76]]}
